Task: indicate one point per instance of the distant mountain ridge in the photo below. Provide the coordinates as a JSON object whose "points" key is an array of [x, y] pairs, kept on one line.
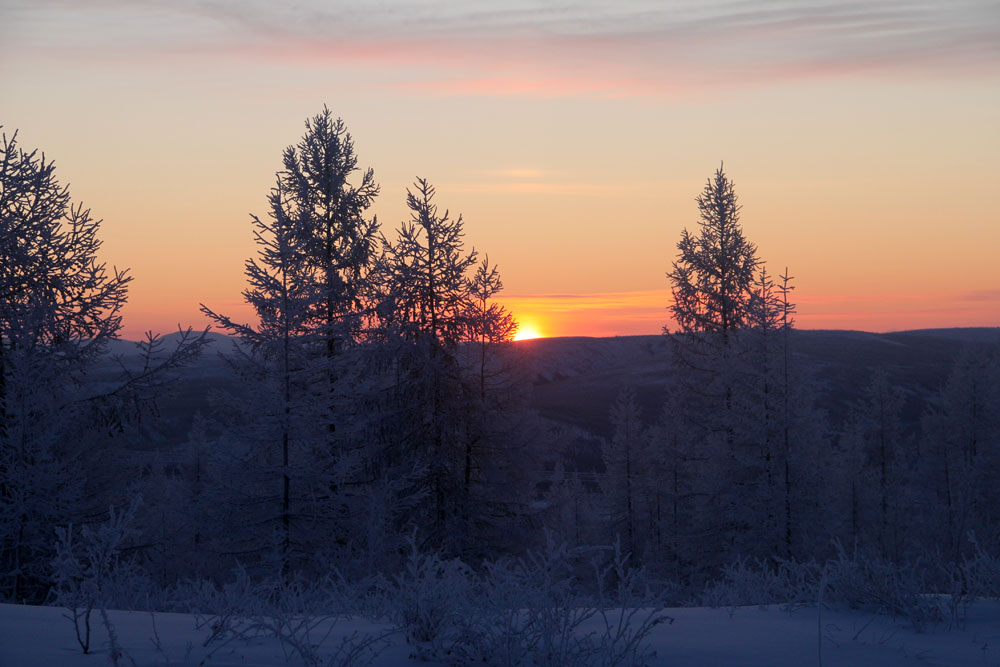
{"points": [[575, 380]]}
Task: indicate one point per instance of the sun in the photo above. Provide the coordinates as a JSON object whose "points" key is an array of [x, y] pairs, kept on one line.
{"points": [[525, 332]]}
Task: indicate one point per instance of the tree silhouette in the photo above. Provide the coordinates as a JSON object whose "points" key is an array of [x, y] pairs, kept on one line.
{"points": [[310, 289], [426, 305], [712, 277], [60, 306]]}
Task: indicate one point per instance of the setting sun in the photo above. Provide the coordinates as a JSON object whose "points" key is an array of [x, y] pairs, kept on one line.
{"points": [[526, 331]]}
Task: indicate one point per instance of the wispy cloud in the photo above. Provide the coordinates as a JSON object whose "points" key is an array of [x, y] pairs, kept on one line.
{"points": [[982, 295], [531, 47]]}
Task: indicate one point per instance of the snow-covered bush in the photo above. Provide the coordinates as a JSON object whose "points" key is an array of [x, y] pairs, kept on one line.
{"points": [[87, 571], [977, 576], [222, 611], [858, 580], [300, 613], [759, 582], [862, 580], [980, 574], [527, 611], [302, 616], [629, 615], [431, 595]]}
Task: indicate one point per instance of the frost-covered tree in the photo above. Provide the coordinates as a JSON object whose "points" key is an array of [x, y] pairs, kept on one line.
{"points": [[184, 509], [712, 277], [426, 273], [787, 321], [628, 484], [876, 469], [714, 299], [311, 290], [275, 355], [574, 504], [960, 455], [676, 460], [60, 305], [497, 468], [489, 323], [458, 399], [761, 396], [338, 241], [741, 431], [425, 306], [714, 302]]}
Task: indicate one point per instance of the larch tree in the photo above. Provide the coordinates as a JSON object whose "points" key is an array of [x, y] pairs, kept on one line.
{"points": [[274, 354], [960, 455], [426, 269], [339, 241], [311, 290], [496, 480], [712, 277], [714, 300], [787, 310], [627, 484], [761, 392], [677, 460], [781, 427], [426, 306], [712, 283], [876, 467], [489, 323], [60, 306]]}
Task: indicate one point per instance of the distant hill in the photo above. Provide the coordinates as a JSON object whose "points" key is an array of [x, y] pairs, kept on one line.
{"points": [[575, 380], [217, 343]]}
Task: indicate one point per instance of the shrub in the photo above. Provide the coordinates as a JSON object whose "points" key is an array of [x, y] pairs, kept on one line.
{"points": [[527, 611], [85, 572]]}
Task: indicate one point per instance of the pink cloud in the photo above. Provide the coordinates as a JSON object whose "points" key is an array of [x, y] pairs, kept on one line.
{"points": [[534, 49]]}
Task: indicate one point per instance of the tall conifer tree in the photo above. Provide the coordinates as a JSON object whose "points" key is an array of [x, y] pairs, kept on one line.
{"points": [[427, 300], [714, 299], [309, 288]]}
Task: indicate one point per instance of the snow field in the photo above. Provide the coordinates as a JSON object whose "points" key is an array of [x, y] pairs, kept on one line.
{"points": [[698, 636]]}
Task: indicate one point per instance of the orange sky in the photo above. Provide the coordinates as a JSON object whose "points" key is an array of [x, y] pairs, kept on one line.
{"points": [[862, 139]]}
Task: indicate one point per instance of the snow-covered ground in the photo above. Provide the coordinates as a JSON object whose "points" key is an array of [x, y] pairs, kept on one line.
{"points": [[41, 637]]}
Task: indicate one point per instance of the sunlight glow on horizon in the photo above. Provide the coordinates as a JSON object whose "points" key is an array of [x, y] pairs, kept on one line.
{"points": [[527, 332]]}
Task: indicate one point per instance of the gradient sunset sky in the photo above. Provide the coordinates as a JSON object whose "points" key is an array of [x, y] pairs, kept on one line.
{"points": [[863, 138]]}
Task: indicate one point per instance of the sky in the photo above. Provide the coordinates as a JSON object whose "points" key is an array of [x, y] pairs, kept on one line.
{"points": [[573, 137]]}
